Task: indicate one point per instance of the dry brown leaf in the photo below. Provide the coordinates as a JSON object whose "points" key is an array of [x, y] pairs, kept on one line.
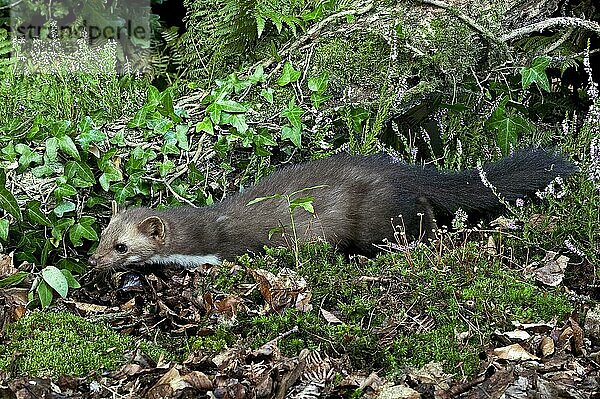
{"points": [[515, 335], [7, 267], [432, 373], [198, 380], [513, 352], [490, 247], [284, 290], [89, 307], [229, 306], [547, 346], [553, 270], [330, 317], [398, 392]]}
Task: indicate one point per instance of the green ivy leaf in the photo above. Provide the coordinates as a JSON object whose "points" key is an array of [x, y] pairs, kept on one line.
{"points": [[536, 73], [89, 137], [79, 231], [231, 106], [52, 149], [72, 283], [123, 191], [36, 215], [80, 173], [63, 190], [27, 156], [260, 25], [55, 279], [288, 75], [9, 204], [63, 207], [319, 83], [59, 229], [293, 114], [44, 293], [205, 126], [181, 132], [236, 120], [13, 279], [267, 94], [261, 199], [4, 229], [66, 145], [293, 133]]}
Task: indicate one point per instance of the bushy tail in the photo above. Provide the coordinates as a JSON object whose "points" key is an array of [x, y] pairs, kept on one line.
{"points": [[516, 176]]}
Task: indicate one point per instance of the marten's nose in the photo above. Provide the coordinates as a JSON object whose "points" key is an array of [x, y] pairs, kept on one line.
{"points": [[93, 261]]}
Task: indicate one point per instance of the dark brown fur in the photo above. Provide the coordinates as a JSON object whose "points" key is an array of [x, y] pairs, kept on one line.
{"points": [[352, 211]]}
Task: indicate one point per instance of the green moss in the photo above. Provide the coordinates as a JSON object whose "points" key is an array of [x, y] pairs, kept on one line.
{"points": [[409, 316], [54, 344]]}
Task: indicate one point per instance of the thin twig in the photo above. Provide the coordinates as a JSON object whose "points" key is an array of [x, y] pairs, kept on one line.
{"points": [[552, 23]]}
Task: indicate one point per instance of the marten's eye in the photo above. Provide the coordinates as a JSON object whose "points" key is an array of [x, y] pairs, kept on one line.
{"points": [[121, 248]]}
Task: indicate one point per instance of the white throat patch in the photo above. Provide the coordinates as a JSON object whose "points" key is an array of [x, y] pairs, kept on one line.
{"points": [[186, 261]]}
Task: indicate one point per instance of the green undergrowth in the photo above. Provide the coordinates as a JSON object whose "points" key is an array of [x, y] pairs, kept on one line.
{"points": [[60, 343], [402, 308]]}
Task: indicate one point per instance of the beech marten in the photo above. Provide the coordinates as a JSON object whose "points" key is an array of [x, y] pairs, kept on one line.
{"points": [[356, 200]]}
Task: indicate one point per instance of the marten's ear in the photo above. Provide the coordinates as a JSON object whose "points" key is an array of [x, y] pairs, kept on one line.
{"points": [[153, 227]]}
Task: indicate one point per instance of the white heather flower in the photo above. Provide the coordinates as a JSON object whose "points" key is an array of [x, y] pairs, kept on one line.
{"points": [[519, 202], [460, 219]]}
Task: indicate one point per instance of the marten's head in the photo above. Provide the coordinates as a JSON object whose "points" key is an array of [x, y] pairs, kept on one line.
{"points": [[132, 237]]}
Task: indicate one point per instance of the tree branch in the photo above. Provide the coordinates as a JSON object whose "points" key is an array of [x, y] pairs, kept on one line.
{"points": [[551, 23]]}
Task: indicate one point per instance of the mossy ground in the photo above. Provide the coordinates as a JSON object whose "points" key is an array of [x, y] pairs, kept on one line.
{"points": [[60, 343], [414, 307]]}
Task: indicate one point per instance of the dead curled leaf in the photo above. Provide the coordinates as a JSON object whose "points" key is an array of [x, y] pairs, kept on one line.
{"points": [[546, 346], [284, 290], [172, 382], [513, 352], [330, 317], [553, 270]]}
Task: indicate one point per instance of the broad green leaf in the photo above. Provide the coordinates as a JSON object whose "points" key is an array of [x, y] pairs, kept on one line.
{"points": [[214, 111], [59, 228], [236, 120], [4, 229], [27, 156], [52, 149], [44, 293], [78, 231], [70, 279], [293, 133], [92, 136], [87, 220], [66, 145], [318, 98], [181, 132], [153, 96], [9, 204], [288, 75], [261, 199], [140, 118], [319, 83], [258, 75], [123, 191], [267, 94], [64, 190], [80, 170], [231, 106], [304, 202], [205, 126], [536, 73], [293, 113], [55, 279], [36, 215], [13, 279], [63, 207]]}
